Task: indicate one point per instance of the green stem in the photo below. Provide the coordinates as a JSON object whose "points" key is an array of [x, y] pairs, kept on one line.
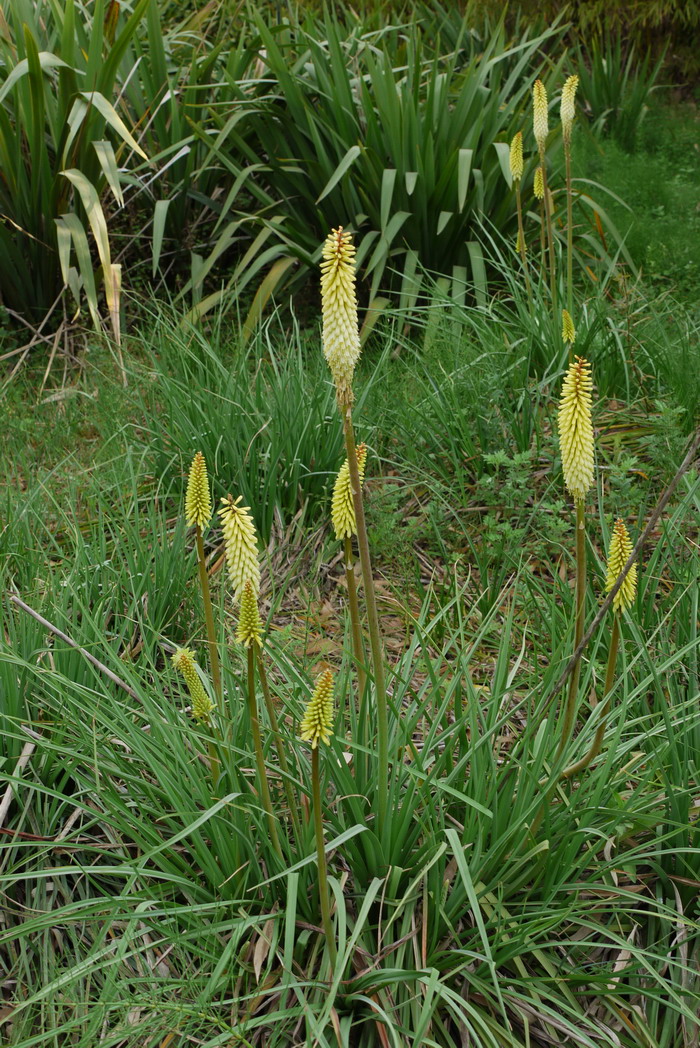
{"points": [[597, 743], [373, 624], [550, 237], [279, 746], [521, 238], [355, 618], [209, 618], [214, 763], [569, 236], [259, 755], [569, 239], [321, 855], [570, 710]]}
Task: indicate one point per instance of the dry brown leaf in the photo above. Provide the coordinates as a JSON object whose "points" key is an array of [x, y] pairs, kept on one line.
{"points": [[262, 948]]}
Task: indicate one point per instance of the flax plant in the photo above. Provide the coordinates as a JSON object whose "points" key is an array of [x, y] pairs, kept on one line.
{"points": [[341, 347], [618, 555], [198, 515], [244, 574], [577, 454], [345, 526], [516, 171], [316, 727], [540, 126], [568, 112]]}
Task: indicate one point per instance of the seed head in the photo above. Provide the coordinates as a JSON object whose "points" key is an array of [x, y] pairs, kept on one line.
{"points": [[568, 107], [249, 629], [341, 337], [618, 555], [197, 500], [202, 706], [568, 331], [342, 506], [516, 157], [241, 546], [540, 115], [576, 429], [538, 187], [317, 721]]}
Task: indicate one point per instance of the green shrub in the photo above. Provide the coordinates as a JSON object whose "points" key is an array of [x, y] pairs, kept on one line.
{"points": [[616, 86], [378, 134], [184, 71]]}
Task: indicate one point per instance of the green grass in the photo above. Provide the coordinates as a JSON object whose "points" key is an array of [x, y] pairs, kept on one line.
{"points": [[143, 906], [658, 182]]}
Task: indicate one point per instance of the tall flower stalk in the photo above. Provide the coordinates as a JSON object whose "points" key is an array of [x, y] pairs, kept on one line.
{"points": [[259, 754], [249, 633], [577, 454], [516, 172], [540, 126], [341, 347], [345, 526], [241, 547], [568, 112], [538, 190], [198, 515], [316, 726], [618, 555]]}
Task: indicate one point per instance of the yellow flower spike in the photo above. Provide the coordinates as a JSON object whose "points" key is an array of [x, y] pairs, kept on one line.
{"points": [[568, 331], [618, 555], [197, 500], [540, 115], [516, 157], [341, 336], [576, 429], [202, 706], [342, 507], [241, 546], [568, 107], [249, 629], [538, 187], [317, 722]]}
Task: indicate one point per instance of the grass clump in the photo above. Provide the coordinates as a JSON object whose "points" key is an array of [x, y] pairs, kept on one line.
{"points": [[430, 868], [461, 812]]}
